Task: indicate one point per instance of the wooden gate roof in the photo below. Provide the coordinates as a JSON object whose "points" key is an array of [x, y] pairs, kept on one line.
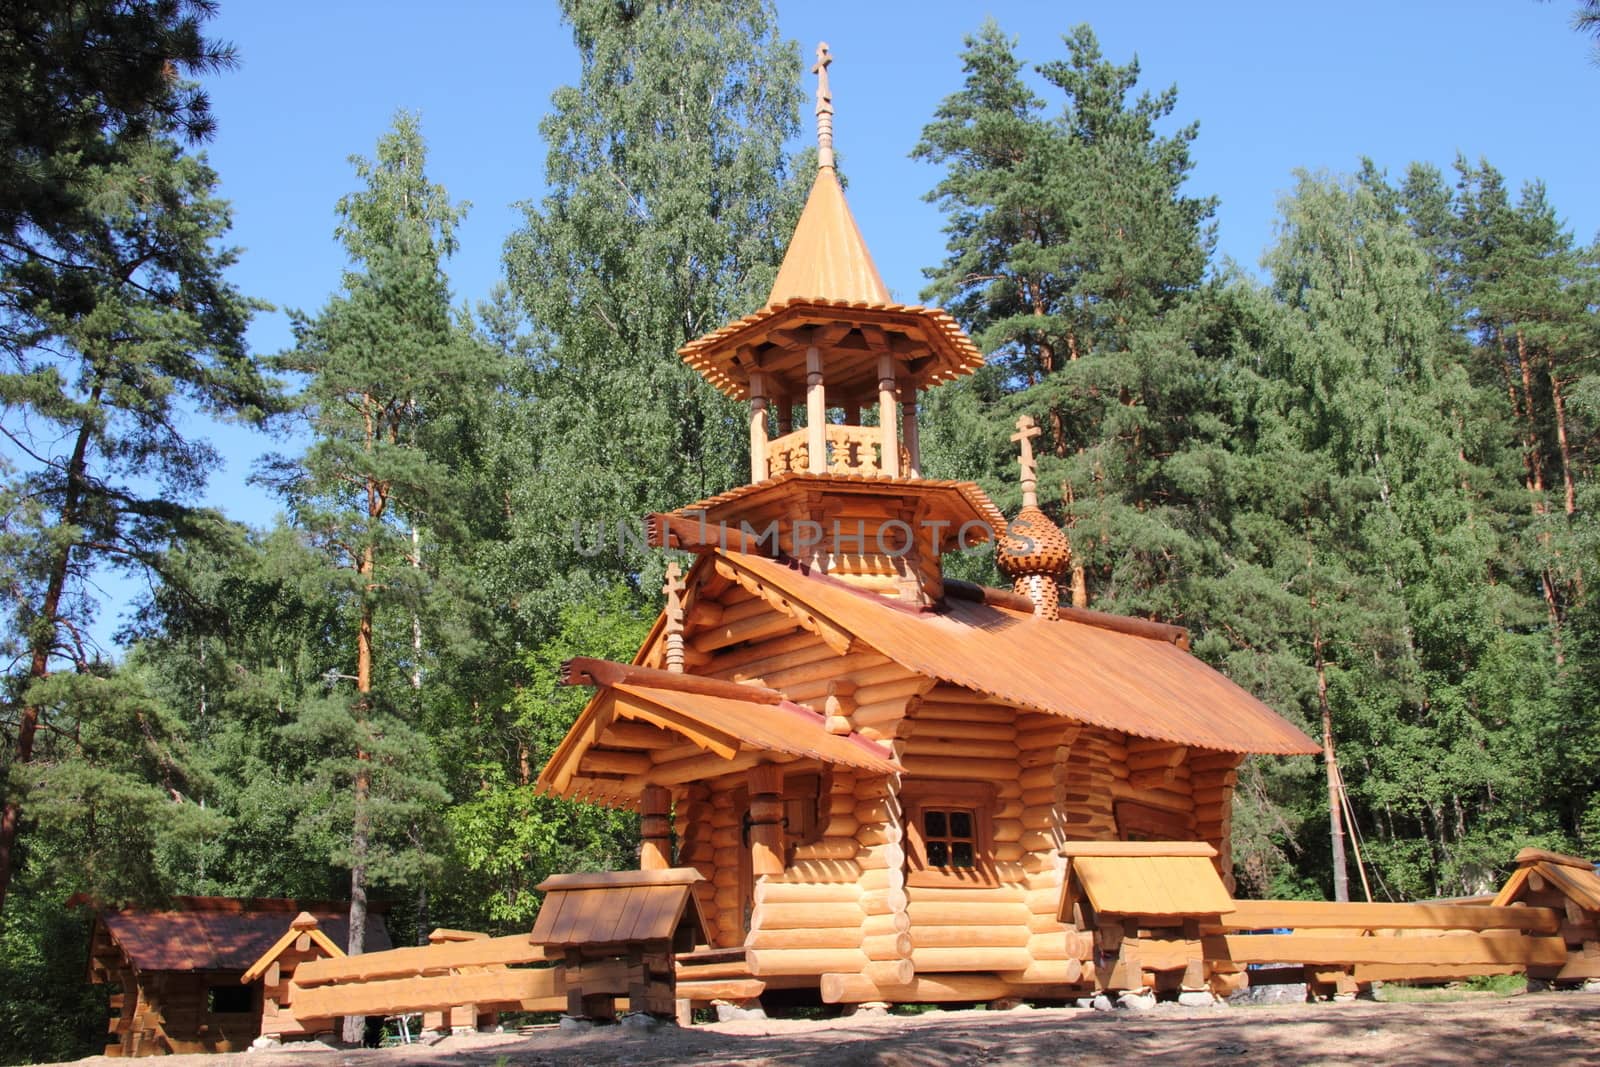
{"points": [[1121, 681], [1165, 878], [616, 907]]}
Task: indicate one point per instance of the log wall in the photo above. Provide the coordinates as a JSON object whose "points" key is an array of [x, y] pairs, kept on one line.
{"points": [[954, 736]]}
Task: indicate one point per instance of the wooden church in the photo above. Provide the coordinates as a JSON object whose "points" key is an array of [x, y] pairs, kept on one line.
{"points": [[876, 768]]}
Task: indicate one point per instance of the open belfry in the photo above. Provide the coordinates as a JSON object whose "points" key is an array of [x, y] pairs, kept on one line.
{"points": [[876, 769]]}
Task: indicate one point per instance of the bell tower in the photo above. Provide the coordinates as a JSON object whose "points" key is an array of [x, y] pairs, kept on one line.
{"points": [[831, 368]]}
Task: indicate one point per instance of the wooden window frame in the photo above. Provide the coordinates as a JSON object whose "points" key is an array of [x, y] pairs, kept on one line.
{"points": [[976, 797]]}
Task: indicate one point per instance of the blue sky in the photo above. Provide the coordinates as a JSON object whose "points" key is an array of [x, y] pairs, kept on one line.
{"points": [[1275, 87]]}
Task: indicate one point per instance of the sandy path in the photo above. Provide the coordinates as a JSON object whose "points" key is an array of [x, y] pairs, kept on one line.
{"points": [[1533, 1029]]}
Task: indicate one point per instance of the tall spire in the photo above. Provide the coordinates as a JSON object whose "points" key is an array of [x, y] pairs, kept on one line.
{"points": [[824, 107], [827, 258]]}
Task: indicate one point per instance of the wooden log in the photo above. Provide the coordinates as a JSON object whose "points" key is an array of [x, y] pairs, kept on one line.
{"points": [[1309, 914], [894, 946], [889, 972], [765, 963], [829, 848], [943, 989], [544, 989], [919, 746], [755, 628], [958, 730], [1444, 950], [822, 872], [422, 960], [1062, 944], [737, 989], [1067, 971], [821, 937], [923, 936], [842, 825], [891, 855], [726, 662], [857, 666], [958, 767], [886, 922], [804, 916], [969, 958], [794, 891]]}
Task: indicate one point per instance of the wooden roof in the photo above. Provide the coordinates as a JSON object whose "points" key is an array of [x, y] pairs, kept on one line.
{"points": [[1157, 878], [952, 502], [721, 723], [221, 933], [827, 258], [1121, 681], [304, 923], [828, 294], [1572, 876], [612, 907]]}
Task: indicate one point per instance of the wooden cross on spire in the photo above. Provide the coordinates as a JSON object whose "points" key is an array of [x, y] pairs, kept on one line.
{"points": [[674, 588], [1027, 430], [824, 107]]}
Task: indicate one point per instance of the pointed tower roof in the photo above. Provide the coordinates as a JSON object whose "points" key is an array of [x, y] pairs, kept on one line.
{"points": [[827, 258], [829, 294]]}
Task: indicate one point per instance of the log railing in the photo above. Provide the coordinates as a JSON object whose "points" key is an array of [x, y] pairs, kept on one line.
{"points": [[851, 450]]}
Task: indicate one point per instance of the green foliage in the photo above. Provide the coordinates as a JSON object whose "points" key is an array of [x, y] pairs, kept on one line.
{"points": [[668, 212], [48, 1013]]}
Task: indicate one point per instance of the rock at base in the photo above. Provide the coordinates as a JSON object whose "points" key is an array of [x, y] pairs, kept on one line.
{"points": [[728, 1012]]}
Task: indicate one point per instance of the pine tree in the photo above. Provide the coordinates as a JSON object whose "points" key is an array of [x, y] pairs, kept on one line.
{"points": [[667, 217], [385, 363], [116, 316], [1070, 242]]}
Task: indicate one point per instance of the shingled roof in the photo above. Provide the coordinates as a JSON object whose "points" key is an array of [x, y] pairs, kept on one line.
{"points": [[221, 933], [1144, 686]]}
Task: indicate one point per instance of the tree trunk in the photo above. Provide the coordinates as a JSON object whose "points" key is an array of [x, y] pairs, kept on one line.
{"points": [[43, 643], [1569, 494], [1341, 877], [1535, 458]]}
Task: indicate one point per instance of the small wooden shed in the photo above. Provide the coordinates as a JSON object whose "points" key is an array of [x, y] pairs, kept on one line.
{"points": [[178, 970]]}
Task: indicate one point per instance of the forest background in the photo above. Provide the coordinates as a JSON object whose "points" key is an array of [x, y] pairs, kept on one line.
{"points": [[1363, 478]]}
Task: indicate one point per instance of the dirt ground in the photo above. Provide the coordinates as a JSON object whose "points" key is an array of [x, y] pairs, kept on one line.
{"points": [[1533, 1029]]}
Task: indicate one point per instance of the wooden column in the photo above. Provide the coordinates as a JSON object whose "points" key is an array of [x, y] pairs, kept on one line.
{"points": [[888, 409], [816, 413], [908, 419], [852, 414], [758, 427], [766, 819], [655, 828]]}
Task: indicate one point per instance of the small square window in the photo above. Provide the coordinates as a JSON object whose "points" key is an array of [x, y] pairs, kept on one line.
{"points": [[948, 832], [948, 839]]}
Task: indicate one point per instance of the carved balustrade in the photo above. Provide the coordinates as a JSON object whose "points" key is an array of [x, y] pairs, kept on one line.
{"points": [[851, 450]]}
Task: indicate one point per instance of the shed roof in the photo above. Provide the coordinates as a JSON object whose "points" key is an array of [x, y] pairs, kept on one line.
{"points": [[221, 933], [611, 907], [1160, 878], [1095, 675]]}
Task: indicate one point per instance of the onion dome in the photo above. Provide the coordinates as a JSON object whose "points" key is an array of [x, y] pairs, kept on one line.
{"points": [[1033, 545]]}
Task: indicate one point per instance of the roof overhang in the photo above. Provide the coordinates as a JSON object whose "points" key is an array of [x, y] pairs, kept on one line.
{"points": [[926, 343], [650, 727]]}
